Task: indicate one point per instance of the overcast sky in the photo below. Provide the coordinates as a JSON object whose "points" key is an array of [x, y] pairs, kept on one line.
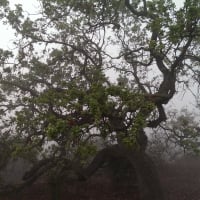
{"points": [[7, 37]]}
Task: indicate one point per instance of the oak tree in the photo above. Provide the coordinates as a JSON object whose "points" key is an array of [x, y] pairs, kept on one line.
{"points": [[88, 70]]}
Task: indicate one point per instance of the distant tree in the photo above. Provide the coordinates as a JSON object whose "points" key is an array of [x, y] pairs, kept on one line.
{"points": [[184, 132], [55, 88], [177, 137]]}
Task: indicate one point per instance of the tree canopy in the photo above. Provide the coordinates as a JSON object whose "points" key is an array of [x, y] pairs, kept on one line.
{"points": [[56, 88]]}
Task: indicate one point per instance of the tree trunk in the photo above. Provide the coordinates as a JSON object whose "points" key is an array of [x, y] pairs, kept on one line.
{"points": [[147, 175], [148, 180], [55, 184]]}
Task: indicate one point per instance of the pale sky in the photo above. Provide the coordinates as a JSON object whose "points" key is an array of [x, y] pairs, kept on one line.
{"points": [[7, 37]]}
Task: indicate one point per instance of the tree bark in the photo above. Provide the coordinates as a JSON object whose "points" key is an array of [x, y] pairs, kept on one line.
{"points": [[147, 176]]}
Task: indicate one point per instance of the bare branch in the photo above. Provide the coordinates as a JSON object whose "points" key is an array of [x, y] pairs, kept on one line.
{"points": [[162, 117], [182, 55], [143, 13]]}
